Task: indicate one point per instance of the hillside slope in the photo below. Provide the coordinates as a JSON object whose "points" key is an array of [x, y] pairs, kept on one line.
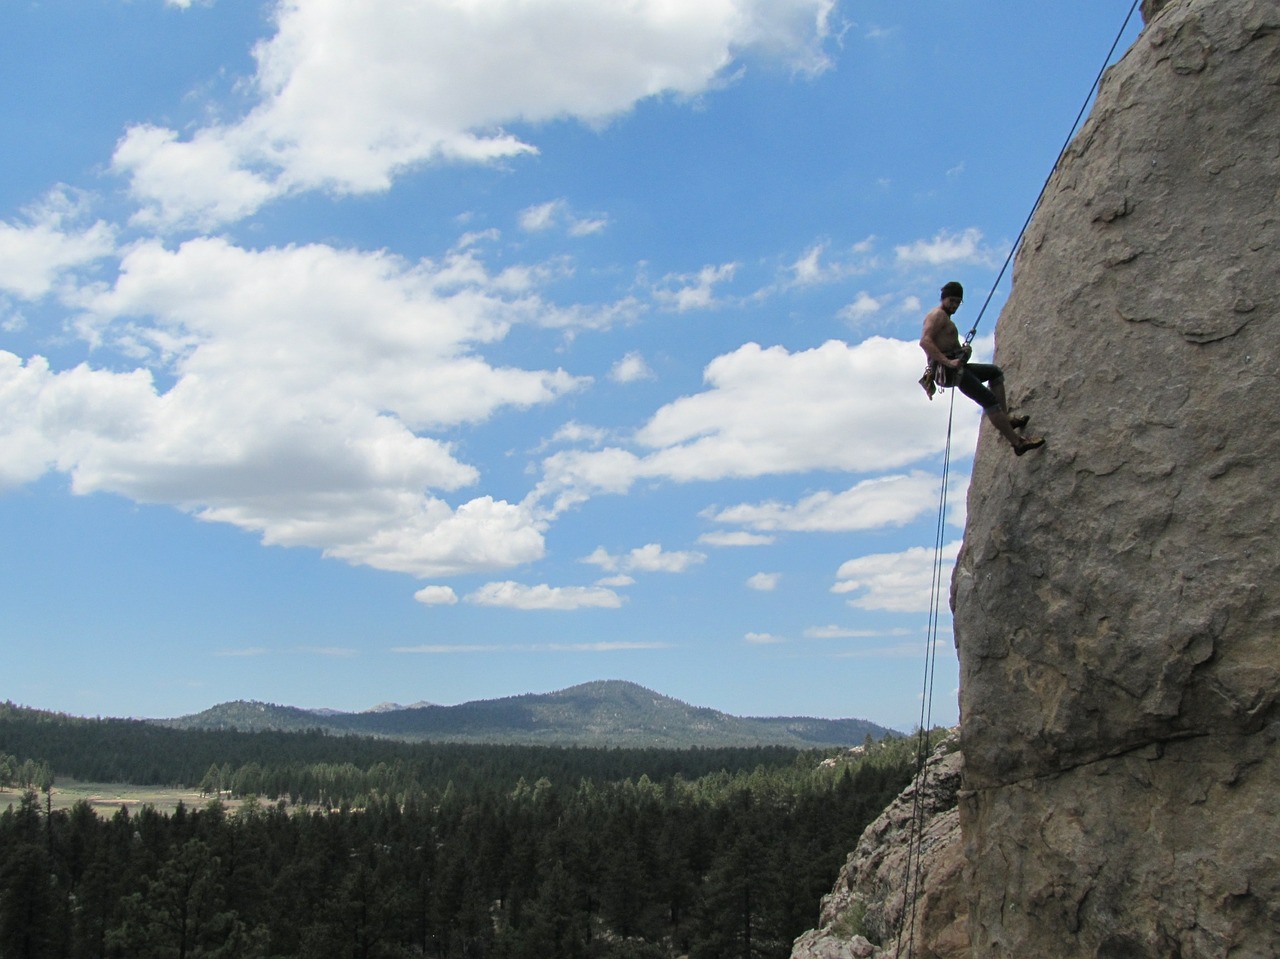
{"points": [[605, 713]]}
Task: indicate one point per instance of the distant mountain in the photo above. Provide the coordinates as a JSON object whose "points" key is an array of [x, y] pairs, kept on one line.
{"points": [[391, 707], [604, 713]]}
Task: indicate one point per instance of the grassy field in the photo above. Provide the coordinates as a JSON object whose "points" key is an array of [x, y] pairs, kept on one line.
{"points": [[107, 798]]}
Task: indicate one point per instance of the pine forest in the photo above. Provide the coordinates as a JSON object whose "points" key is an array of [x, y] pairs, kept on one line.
{"points": [[348, 848]]}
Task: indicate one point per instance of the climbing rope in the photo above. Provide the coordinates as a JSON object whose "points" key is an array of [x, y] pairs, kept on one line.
{"points": [[1043, 189], [914, 871]]}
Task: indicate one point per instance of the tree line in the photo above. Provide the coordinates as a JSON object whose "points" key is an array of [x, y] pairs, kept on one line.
{"points": [[143, 753], [485, 862]]}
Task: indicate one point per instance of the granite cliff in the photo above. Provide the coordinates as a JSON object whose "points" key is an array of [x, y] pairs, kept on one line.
{"points": [[900, 891], [1117, 600]]}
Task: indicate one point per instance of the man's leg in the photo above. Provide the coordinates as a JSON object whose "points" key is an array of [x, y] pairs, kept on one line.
{"points": [[993, 377], [992, 401], [997, 389]]}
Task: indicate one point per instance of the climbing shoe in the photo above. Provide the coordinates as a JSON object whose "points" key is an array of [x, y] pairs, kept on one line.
{"points": [[1028, 444], [1018, 422]]}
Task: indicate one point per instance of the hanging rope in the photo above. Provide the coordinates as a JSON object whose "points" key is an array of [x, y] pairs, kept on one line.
{"points": [[1062, 152], [914, 872]]}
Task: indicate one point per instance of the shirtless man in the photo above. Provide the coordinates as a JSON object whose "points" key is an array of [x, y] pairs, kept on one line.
{"points": [[951, 367]]}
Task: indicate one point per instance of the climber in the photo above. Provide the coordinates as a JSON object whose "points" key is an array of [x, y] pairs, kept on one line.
{"points": [[950, 366]]}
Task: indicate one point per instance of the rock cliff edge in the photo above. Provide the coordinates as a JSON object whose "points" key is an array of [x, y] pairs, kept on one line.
{"points": [[1117, 600]]}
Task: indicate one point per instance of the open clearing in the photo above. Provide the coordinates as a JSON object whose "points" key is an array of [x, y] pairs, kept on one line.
{"points": [[107, 798]]}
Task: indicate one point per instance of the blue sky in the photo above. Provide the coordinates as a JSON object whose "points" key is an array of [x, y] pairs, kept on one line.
{"points": [[444, 350]]}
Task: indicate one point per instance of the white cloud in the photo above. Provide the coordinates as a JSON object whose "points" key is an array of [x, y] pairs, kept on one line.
{"points": [[547, 216], [896, 582], [297, 386], [842, 632], [630, 368], [650, 558], [871, 504], [735, 538], [436, 596], [863, 307], [517, 596], [815, 266], [446, 649], [764, 582], [534, 219], [587, 226], [768, 412], [693, 291], [574, 432], [350, 94], [808, 270], [35, 254], [763, 639], [946, 249]]}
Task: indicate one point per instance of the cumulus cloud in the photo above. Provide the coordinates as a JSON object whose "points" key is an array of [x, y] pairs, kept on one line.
{"points": [[518, 596], [946, 249], [556, 213], [348, 95], [436, 596], [871, 504], [843, 632], [53, 239], [735, 538], [764, 582], [817, 265], [693, 291], [895, 582], [650, 558], [534, 219], [763, 639], [287, 392], [808, 270], [863, 308], [771, 412], [630, 368]]}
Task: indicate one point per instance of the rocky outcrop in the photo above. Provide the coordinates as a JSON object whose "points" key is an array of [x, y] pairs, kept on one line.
{"points": [[1117, 602], [863, 917]]}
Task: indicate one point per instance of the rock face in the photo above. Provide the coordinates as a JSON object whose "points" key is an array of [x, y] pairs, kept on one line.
{"points": [[863, 915], [1117, 601]]}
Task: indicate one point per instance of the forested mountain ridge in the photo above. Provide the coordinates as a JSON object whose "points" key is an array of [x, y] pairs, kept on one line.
{"points": [[605, 713]]}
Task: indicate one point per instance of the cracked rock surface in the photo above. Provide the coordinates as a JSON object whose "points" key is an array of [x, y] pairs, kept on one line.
{"points": [[1117, 600]]}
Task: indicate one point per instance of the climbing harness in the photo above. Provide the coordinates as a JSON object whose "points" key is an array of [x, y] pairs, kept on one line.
{"points": [[914, 872]]}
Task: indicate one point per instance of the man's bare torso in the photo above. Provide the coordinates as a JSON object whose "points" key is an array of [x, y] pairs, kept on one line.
{"points": [[941, 334]]}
